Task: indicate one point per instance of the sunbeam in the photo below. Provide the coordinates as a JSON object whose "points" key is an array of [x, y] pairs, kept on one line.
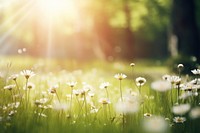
{"points": [[14, 27], [17, 13], [5, 4]]}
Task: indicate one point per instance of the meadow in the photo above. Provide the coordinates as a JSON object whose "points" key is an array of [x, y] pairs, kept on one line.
{"points": [[139, 96]]}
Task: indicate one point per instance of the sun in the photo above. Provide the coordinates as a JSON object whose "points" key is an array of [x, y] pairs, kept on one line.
{"points": [[55, 7]]}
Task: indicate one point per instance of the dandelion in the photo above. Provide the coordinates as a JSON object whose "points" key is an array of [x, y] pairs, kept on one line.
{"points": [[155, 124], [27, 73], [196, 71], [161, 86], [195, 113], [179, 119], [181, 109]]}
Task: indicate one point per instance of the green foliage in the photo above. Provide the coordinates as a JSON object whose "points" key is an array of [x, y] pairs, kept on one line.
{"points": [[43, 117]]}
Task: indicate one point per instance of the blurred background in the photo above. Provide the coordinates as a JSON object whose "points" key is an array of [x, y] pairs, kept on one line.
{"points": [[103, 29]]}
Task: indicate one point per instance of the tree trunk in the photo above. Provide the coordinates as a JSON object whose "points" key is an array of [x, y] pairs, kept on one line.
{"points": [[185, 27], [129, 40]]}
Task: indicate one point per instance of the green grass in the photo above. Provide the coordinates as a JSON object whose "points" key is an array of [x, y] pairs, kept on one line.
{"points": [[78, 118]]}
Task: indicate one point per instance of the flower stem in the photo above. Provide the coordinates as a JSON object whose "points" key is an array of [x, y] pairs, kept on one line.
{"points": [[71, 102], [26, 93], [120, 90]]}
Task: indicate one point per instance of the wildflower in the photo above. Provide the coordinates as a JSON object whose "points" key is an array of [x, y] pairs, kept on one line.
{"points": [[91, 94], [87, 87], [72, 84], [195, 113], [140, 81], [147, 115], [104, 85], [27, 73], [14, 77], [12, 112], [120, 76], [104, 101], [161, 86], [180, 66], [189, 86], [53, 89], [195, 81], [37, 102], [174, 80], [42, 115], [60, 106], [196, 71], [166, 77], [179, 119], [155, 124], [14, 105], [128, 105], [132, 64], [76, 92], [43, 100], [30, 86], [9, 87], [185, 95], [94, 110], [181, 109]]}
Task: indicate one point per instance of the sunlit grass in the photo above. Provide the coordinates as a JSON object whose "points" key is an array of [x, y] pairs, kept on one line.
{"points": [[66, 97]]}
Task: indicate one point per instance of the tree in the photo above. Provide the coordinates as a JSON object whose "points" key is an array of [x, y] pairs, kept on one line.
{"points": [[129, 38], [185, 27]]}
